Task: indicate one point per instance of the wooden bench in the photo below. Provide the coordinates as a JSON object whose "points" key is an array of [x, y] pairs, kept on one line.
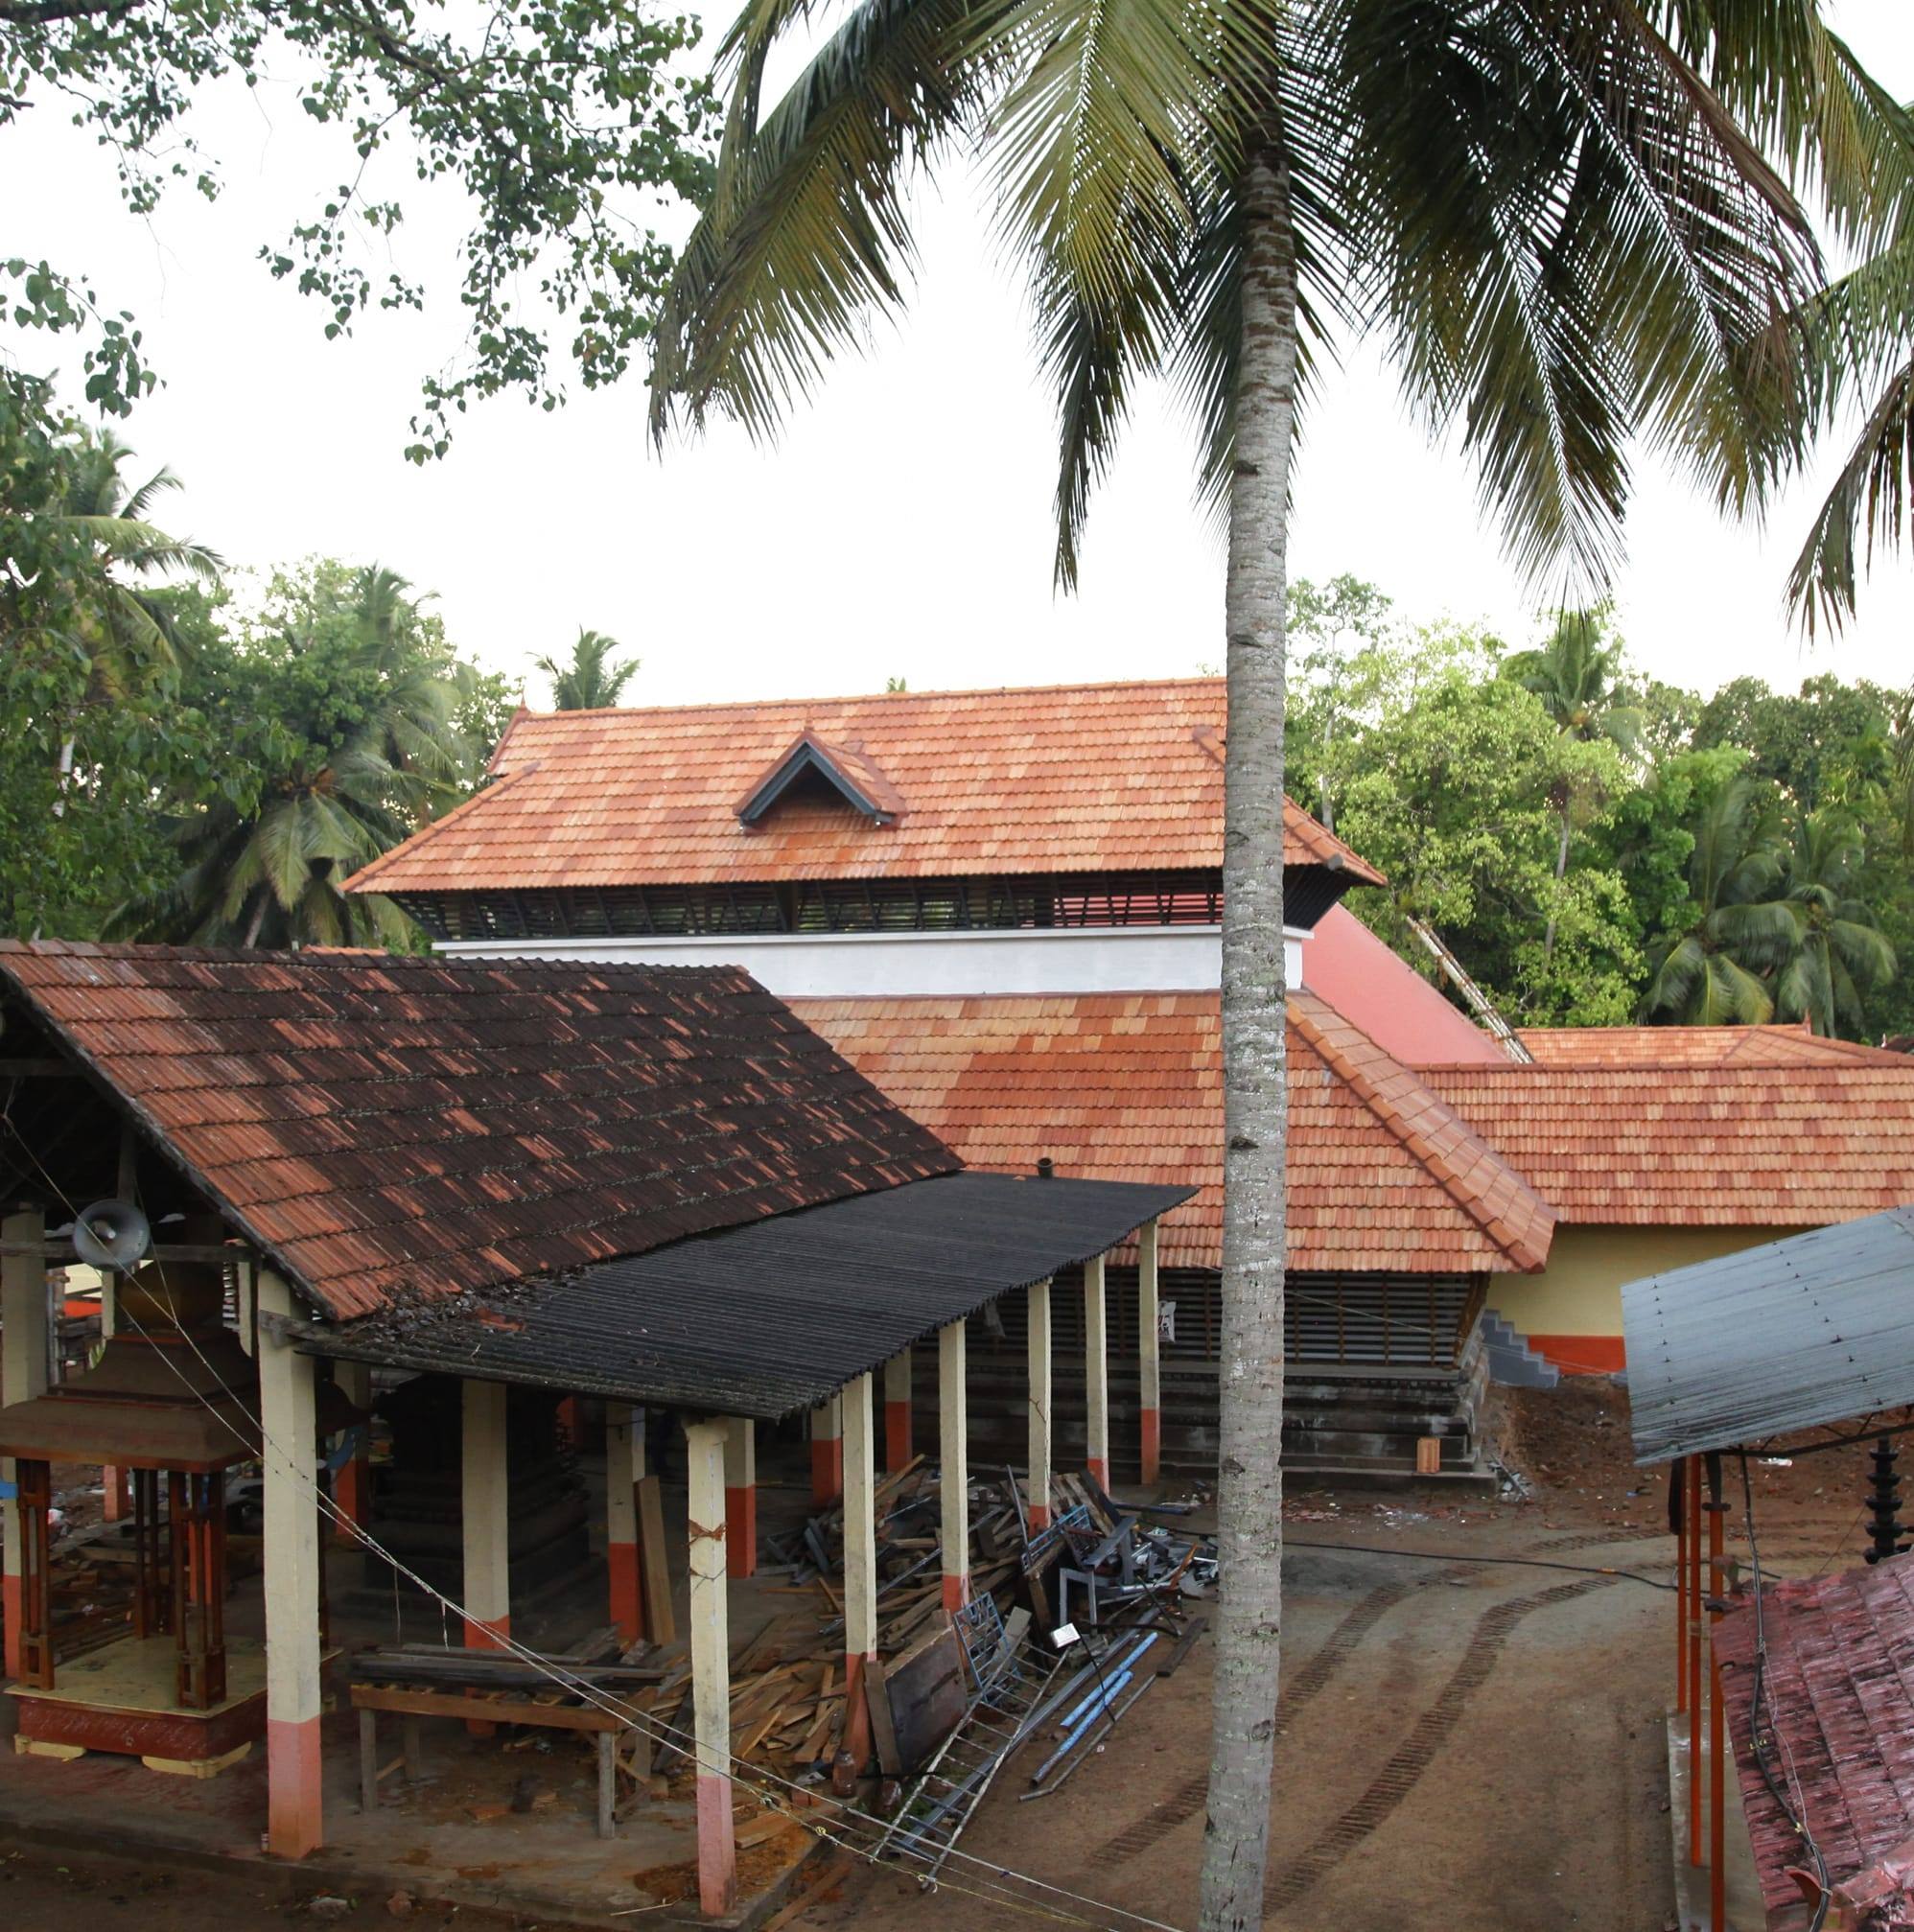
{"points": [[467, 1686]]}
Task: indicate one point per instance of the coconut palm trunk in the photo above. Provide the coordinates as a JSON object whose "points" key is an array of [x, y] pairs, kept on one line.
{"points": [[1249, 1491]]}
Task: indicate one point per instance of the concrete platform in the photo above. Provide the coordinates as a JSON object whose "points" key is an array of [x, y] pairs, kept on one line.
{"points": [[1745, 1912]]}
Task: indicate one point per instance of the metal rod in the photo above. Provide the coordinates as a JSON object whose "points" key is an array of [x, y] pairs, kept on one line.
{"points": [[1695, 1661], [1718, 1782]]}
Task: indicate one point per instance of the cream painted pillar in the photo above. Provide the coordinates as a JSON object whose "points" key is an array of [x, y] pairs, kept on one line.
{"points": [[1150, 1355], [624, 1469], [741, 1496], [289, 1422], [711, 1665], [485, 1513], [1096, 1373], [860, 1564], [23, 1375], [352, 1486], [826, 1452], [1037, 1492], [954, 1474], [896, 1411]]}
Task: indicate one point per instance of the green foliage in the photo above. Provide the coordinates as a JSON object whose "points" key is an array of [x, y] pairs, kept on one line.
{"points": [[1595, 847], [562, 126], [341, 712], [594, 677]]}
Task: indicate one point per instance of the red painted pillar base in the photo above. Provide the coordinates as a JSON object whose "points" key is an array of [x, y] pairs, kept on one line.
{"points": [[741, 1529], [717, 1849], [1039, 1514], [295, 1814], [567, 1420], [856, 1713], [1153, 1444], [956, 1591], [489, 1635], [11, 1613], [1097, 1469], [113, 1493], [897, 1435], [826, 1470], [627, 1591], [352, 1494]]}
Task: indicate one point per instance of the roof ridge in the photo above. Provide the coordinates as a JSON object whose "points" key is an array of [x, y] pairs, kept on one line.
{"points": [[877, 697], [1305, 1012]]}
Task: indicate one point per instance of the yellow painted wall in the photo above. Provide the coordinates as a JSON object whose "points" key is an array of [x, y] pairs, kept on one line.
{"points": [[1579, 1293]]}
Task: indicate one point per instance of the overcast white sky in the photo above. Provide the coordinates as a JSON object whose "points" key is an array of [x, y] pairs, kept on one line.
{"points": [[903, 526]]}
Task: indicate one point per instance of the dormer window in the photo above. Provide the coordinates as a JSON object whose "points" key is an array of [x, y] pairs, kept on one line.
{"points": [[812, 764]]}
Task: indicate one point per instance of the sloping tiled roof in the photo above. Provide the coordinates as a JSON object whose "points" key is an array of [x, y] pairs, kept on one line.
{"points": [[396, 1126], [1382, 1174], [1074, 777], [1367, 983], [1783, 1146], [1839, 1649], [1697, 1046]]}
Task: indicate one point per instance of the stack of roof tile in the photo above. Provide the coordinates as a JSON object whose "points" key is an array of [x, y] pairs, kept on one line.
{"points": [[389, 1126]]}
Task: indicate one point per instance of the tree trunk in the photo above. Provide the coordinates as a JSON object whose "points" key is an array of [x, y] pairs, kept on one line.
{"points": [[1561, 872], [1249, 1490]]}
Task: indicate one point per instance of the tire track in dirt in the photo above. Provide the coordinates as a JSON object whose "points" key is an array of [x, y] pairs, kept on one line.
{"points": [[1414, 1755], [1186, 1798]]}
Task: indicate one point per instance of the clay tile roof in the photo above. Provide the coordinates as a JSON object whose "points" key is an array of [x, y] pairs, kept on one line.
{"points": [[1790, 1143], [1697, 1046], [847, 766], [1382, 1173], [1074, 777], [386, 1126], [1838, 1693]]}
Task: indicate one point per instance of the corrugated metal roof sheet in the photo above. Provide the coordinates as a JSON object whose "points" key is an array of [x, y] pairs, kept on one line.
{"points": [[1799, 1333], [390, 1127], [768, 1320], [1069, 778]]}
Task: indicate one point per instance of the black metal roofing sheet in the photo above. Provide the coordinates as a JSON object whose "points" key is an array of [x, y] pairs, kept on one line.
{"points": [[772, 1317], [1812, 1330]]}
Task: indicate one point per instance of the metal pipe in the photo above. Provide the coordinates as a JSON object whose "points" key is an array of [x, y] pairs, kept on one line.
{"points": [[1677, 1488], [1694, 1701], [1718, 1782]]}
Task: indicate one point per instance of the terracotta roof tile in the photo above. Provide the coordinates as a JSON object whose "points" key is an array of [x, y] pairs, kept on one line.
{"points": [[1069, 778], [1790, 1143], [1128, 1085], [1697, 1046], [389, 1126], [1837, 1689]]}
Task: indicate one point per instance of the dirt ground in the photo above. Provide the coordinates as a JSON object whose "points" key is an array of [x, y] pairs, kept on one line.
{"points": [[1465, 1743]]}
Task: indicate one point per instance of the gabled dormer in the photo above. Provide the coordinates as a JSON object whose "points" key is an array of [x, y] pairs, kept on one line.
{"points": [[816, 766]]}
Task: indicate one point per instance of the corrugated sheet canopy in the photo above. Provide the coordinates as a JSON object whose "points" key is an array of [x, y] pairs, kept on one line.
{"points": [[774, 1317], [1797, 1333]]}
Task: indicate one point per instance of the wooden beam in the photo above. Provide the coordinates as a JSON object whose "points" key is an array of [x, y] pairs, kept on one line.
{"points": [[1096, 1372], [1150, 1359], [1037, 1500]]}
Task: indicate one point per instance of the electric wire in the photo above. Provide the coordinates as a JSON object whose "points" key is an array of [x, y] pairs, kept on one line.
{"points": [[753, 1777], [1763, 1735]]}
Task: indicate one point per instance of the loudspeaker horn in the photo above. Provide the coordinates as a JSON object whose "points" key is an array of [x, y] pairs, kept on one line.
{"points": [[111, 1234]]}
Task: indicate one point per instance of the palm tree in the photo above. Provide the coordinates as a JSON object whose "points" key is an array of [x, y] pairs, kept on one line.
{"points": [[1576, 675], [1718, 970], [1545, 207], [591, 681], [1838, 952], [127, 636], [267, 872], [1860, 337]]}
